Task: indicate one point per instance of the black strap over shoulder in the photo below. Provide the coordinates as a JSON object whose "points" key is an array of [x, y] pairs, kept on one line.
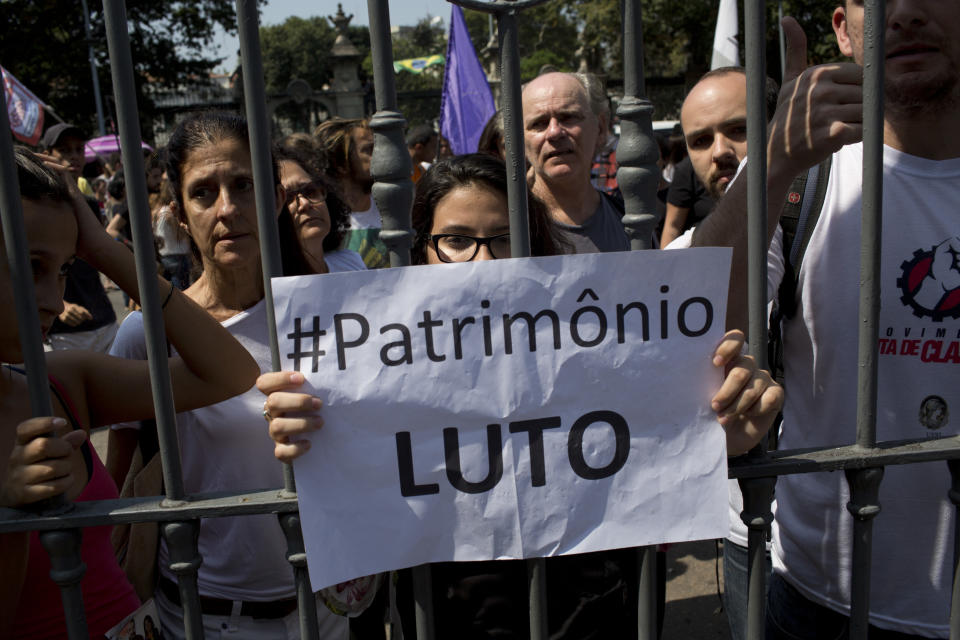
{"points": [[798, 218]]}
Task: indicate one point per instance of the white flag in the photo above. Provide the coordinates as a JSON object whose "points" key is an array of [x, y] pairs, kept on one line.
{"points": [[726, 53]]}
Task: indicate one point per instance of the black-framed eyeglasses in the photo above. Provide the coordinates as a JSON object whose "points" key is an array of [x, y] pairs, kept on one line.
{"points": [[456, 247], [312, 191]]}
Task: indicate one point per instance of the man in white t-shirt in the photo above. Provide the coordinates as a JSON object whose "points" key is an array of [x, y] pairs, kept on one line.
{"points": [[919, 348], [714, 122]]}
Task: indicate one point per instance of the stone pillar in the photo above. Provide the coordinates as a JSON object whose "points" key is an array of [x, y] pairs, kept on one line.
{"points": [[346, 59], [491, 57]]}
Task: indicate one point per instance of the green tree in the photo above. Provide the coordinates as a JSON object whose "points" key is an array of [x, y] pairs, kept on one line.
{"points": [[547, 35], [44, 45], [300, 49], [678, 36], [418, 94], [678, 41], [816, 18]]}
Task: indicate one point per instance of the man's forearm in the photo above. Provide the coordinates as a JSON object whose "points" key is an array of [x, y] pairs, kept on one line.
{"points": [[727, 226], [673, 223]]}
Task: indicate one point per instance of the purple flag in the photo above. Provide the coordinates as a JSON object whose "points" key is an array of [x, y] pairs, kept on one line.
{"points": [[467, 102]]}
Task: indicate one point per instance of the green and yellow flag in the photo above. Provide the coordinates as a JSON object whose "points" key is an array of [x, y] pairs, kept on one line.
{"points": [[417, 65]]}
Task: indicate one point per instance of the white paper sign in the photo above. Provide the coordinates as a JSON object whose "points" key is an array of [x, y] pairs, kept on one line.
{"points": [[453, 432]]}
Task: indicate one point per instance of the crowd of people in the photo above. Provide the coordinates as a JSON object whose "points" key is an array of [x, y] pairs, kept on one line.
{"points": [[210, 278]]}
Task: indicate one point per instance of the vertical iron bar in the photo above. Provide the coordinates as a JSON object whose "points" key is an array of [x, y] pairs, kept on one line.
{"points": [[511, 108], [390, 165], [756, 514], [67, 569], [782, 39], [258, 125], [185, 560], [864, 506], [537, 597], [871, 221], [637, 151], [125, 96], [392, 192], [954, 494], [21, 276], [98, 100], [297, 557], [647, 605], [423, 602], [865, 483], [757, 493], [755, 26]]}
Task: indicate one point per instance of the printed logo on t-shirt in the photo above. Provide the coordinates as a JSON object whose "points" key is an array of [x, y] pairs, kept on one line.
{"points": [[929, 287], [930, 281]]}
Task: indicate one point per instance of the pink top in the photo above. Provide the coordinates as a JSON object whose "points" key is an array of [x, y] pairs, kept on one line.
{"points": [[107, 595]]}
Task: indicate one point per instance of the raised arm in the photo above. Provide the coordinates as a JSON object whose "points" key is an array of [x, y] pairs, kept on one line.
{"points": [[820, 109], [212, 365], [115, 226]]}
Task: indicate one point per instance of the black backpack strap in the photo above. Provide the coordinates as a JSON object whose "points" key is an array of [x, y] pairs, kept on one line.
{"points": [[798, 218], [809, 215]]}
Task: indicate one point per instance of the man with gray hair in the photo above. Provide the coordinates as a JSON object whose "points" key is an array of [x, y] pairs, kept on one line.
{"points": [[565, 119]]}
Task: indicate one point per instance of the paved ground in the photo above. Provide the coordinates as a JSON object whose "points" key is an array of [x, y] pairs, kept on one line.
{"points": [[693, 610]]}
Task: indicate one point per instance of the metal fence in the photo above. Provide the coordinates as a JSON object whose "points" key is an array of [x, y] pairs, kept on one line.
{"points": [[60, 524]]}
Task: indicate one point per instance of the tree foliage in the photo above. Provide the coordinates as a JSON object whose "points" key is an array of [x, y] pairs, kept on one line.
{"points": [[44, 45], [678, 36], [418, 94], [815, 18], [300, 49], [677, 40], [547, 34]]}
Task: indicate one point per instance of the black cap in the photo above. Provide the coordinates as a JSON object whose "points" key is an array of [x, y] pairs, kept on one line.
{"points": [[52, 135]]}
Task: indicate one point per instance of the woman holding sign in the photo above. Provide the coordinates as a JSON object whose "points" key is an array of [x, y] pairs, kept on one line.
{"points": [[245, 581], [86, 390], [460, 214]]}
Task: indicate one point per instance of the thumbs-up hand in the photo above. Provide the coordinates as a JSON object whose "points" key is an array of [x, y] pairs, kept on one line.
{"points": [[820, 109]]}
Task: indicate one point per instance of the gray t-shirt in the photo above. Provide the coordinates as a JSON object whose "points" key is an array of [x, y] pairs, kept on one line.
{"points": [[601, 232]]}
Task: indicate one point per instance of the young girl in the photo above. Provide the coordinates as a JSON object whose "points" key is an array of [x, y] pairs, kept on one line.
{"points": [[86, 390], [460, 214]]}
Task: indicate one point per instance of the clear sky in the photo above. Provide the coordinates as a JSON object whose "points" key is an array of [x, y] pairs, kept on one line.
{"points": [[402, 12]]}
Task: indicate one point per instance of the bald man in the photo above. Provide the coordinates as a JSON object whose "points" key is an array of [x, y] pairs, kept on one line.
{"points": [[714, 122], [565, 118]]}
